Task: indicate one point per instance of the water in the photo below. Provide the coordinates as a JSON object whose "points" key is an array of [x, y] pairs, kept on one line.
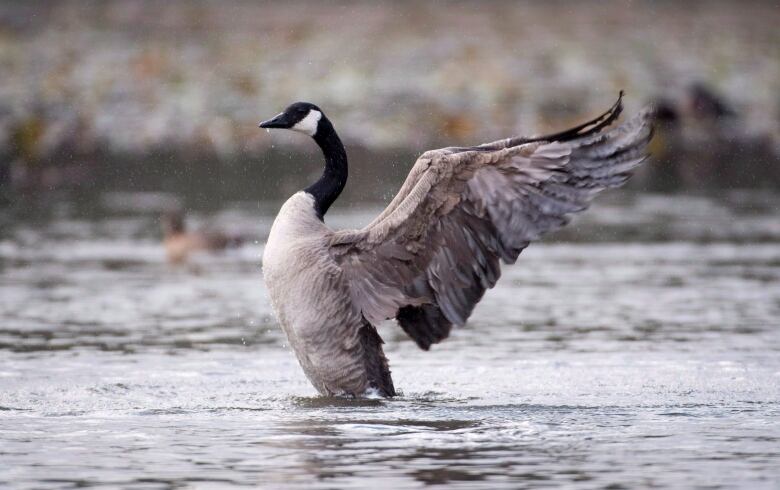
{"points": [[638, 348]]}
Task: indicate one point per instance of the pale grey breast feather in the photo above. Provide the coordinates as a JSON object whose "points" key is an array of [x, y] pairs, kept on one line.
{"points": [[430, 256]]}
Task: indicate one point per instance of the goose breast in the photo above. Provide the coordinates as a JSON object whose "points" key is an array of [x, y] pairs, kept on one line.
{"points": [[310, 296]]}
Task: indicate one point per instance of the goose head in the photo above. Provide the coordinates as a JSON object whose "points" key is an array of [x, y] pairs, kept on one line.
{"points": [[172, 222], [308, 119], [300, 116]]}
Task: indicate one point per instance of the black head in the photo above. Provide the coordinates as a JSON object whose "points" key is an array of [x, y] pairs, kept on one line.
{"points": [[300, 116], [173, 222]]}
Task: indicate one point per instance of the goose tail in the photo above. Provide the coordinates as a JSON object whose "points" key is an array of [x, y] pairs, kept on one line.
{"points": [[377, 368]]}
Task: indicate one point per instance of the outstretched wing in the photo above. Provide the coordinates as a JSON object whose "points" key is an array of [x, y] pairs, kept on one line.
{"points": [[429, 257]]}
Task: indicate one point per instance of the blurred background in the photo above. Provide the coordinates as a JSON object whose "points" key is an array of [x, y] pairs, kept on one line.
{"points": [[136, 192], [155, 96]]}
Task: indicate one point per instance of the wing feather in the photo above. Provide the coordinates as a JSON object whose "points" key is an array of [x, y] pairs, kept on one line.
{"points": [[429, 257]]}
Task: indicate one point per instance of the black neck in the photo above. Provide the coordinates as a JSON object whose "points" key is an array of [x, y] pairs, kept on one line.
{"points": [[330, 185]]}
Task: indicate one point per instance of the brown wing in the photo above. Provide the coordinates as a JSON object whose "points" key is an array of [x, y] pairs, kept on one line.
{"points": [[429, 257]]}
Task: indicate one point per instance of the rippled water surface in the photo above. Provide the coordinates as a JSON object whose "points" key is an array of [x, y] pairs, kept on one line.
{"points": [[639, 347]]}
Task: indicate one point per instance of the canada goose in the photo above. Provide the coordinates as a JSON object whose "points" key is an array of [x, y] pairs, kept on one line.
{"points": [[428, 258], [180, 243], [704, 104]]}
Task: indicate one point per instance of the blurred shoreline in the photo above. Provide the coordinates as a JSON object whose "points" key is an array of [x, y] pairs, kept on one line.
{"points": [[89, 84]]}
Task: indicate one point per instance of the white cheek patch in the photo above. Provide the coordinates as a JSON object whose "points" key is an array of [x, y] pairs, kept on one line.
{"points": [[308, 125]]}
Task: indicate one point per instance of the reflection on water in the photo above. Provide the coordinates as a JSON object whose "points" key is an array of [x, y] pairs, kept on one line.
{"points": [[638, 347]]}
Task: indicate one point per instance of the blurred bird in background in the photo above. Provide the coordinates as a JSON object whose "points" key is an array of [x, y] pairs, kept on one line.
{"points": [[180, 243]]}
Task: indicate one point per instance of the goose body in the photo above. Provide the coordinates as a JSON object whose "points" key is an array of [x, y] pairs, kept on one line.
{"points": [[180, 244], [428, 258], [339, 352]]}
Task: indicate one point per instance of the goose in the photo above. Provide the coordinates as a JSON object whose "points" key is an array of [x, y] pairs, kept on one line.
{"points": [[428, 258], [180, 243]]}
